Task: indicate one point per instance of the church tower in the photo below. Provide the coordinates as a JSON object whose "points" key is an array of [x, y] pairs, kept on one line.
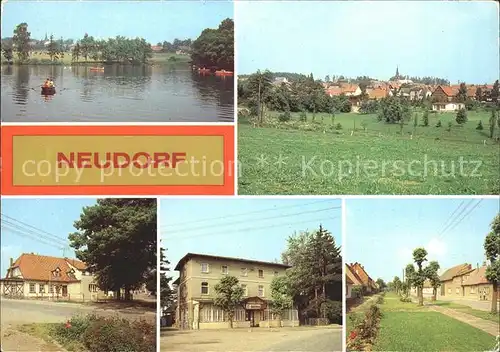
{"points": [[397, 73]]}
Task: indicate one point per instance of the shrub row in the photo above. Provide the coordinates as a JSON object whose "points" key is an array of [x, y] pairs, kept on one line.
{"points": [[107, 334], [365, 331]]}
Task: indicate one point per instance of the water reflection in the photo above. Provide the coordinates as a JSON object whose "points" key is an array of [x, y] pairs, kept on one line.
{"points": [[119, 93]]}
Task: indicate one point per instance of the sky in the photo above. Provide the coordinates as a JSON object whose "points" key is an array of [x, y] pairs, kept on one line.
{"points": [[247, 228], [382, 233], [40, 226], [152, 20], [447, 39]]}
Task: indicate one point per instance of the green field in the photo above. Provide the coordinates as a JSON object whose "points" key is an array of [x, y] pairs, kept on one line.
{"points": [[367, 156], [42, 58], [407, 327]]}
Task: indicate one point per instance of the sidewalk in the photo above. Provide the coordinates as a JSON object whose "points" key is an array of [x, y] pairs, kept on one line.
{"points": [[485, 325]]}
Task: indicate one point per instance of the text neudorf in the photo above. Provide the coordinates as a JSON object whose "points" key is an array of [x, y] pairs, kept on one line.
{"points": [[140, 160]]}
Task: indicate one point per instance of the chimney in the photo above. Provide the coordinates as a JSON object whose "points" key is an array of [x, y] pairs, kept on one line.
{"points": [[11, 262]]}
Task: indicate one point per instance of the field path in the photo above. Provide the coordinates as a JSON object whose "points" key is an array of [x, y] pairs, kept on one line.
{"points": [[482, 324]]}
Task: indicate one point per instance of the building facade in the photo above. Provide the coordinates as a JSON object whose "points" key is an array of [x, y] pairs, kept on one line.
{"points": [[44, 277], [198, 275]]}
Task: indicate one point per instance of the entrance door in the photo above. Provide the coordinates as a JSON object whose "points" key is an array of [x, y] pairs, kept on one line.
{"points": [[254, 318], [64, 291]]}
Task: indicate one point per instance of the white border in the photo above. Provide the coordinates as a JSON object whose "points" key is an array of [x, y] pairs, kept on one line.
{"points": [[158, 274], [235, 117], [344, 280]]}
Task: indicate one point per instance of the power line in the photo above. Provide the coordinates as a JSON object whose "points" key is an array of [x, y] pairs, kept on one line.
{"points": [[462, 211], [34, 233], [195, 229], [468, 213], [33, 237], [32, 227], [447, 222], [250, 229], [247, 213]]}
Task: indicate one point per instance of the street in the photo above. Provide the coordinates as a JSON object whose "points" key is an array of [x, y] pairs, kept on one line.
{"points": [[480, 305], [304, 339], [18, 312]]}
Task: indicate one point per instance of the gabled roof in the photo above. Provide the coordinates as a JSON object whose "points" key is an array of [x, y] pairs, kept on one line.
{"points": [[348, 280], [352, 273], [41, 267], [376, 93], [449, 91], [217, 257], [477, 277], [457, 270]]}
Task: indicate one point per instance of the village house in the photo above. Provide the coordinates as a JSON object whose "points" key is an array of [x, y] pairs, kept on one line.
{"points": [[278, 81], [43, 277], [444, 99], [465, 282], [352, 280], [199, 273], [369, 285], [157, 48], [376, 93], [427, 290]]}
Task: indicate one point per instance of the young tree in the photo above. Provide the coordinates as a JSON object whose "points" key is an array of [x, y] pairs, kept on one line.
{"points": [[438, 124], [281, 296], [260, 86], [381, 284], [461, 116], [116, 238], [431, 272], [462, 93], [75, 54], [228, 296], [479, 94], [492, 122], [495, 92], [426, 118], [53, 49], [397, 284], [21, 40], [492, 251], [7, 53], [418, 277], [479, 126]]}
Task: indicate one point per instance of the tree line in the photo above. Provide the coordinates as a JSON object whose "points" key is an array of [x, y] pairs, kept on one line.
{"points": [[177, 44], [313, 284], [214, 48], [417, 274]]}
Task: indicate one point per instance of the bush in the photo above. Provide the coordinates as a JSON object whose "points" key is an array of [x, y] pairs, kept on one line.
{"points": [[439, 124], [450, 125], [380, 299], [110, 334], [369, 107], [338, 126], [461, 116], [333, 311], [480, 126], [285, 116], [303, 116]]}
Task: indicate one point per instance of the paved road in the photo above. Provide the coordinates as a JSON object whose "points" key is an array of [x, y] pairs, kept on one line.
{"points": [[328, 340], [480, 305]]}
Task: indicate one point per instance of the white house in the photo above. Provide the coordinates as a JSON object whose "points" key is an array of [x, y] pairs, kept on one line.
{"points": [[447, 106]]}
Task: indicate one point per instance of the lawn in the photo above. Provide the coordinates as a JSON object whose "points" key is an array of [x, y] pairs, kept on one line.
{"points": [[45, 331], [315, 158], [429, 331], [466, 309], [408, 327]]}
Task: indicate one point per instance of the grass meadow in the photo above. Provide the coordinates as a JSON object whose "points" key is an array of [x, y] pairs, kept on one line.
{"points": [[42, 58], [407, 327], [366, 156]]}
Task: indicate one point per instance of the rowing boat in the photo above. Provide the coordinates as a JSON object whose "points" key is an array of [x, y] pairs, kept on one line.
{"points": [[48, 90], [223, 73]]}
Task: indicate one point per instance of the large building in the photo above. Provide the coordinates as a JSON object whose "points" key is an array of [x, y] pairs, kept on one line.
{"points": [[199, 273], [44, 277]]}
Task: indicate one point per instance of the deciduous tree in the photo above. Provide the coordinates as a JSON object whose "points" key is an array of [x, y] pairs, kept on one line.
{"points": [[492, 251], [21, 41], [281, 296], [228, 296]]}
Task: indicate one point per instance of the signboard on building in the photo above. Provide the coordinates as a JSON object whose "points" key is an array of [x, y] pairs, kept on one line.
{"points": [[257, 306]]}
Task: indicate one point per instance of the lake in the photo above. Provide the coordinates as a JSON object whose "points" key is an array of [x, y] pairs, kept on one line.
{"points": [[166, 93]]}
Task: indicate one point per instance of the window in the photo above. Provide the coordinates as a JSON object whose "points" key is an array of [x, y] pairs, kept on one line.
{"points": [[204, 267], [472, 289], [457, 291], [41, 288], [245, 290], [204, 288], [244, 272], [224, 269], [32, 288], [261, 291], [276, 273], [449, 290], [261, 273]]}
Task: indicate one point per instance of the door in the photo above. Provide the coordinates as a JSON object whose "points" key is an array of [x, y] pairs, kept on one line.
{"points": [[254, 318], [64, 291]]}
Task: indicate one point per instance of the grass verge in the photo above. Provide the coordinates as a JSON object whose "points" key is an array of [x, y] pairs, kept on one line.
{"points": [[466, 309]]}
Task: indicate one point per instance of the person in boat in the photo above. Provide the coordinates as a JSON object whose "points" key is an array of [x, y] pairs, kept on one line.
{"points": [[47, 83], [51, 83]]}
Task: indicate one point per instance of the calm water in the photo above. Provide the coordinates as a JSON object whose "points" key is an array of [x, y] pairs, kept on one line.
{"points": [[119, 94]]}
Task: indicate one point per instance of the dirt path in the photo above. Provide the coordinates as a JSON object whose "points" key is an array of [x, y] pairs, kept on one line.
{"points": [[488, 326], [16, 341]]}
